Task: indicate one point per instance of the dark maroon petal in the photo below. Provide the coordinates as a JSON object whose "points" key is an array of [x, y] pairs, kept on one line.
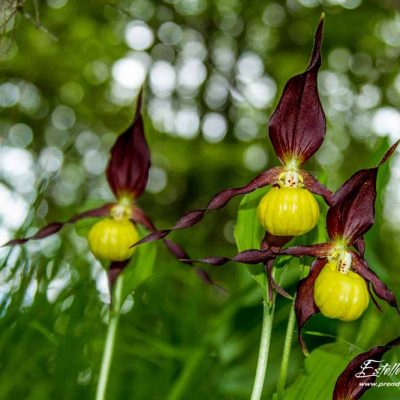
{"points": [[115, 269], [352, 212], [373, 296], [380, 289], [138, 216], [297, 127], [55, 227], [353, 209], [304, 305], [273, 243], [315, 250], [316, 187], [354, 381], [217, 202], [128, 169], [389, 153], [359, 245]]}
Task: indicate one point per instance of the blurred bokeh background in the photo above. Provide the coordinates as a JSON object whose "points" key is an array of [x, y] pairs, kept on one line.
{"points": [[213, 71]]}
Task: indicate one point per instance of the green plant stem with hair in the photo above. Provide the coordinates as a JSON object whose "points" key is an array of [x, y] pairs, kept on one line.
{"points": [[110, 340], [266, 330], [286, 354]]}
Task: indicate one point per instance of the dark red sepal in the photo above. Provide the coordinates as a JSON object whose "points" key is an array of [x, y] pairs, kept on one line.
{"points": [[55, 227], [352, 212], [354, 381], [218, 201], [304, 305], [380, 289], [115, 269], [297, 127], [353, 209], [128, 169]]}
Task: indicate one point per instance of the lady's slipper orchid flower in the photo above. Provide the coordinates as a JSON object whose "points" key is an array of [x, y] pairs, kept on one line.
{"points": [[339, 279], [127, 174], [361, 373], [296, 130]]}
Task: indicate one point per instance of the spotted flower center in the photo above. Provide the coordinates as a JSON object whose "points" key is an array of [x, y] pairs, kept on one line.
{"points": [[122, 210], [341, 257]]}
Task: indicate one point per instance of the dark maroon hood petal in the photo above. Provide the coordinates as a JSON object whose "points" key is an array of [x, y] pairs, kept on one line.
{"points": [[353, 208], [217, 202], [316, 250], [55, 227], [315, 187], [297, 127], [139, 217], [353, 381], [381, 290], [304, 305], [359, 245], [128, 169], [352, 212]]}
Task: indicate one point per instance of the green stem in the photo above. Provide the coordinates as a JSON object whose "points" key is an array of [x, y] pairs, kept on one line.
{"points": [[286, 354], [110, 340], [268, 316]]}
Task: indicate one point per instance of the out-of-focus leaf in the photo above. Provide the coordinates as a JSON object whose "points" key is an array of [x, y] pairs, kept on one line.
{"points": [[140, 268], [322, 368], [249, 232]]}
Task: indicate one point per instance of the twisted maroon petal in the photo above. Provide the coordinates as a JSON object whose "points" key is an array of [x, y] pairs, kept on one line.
{"points": [[304, 305], [354, 381], [217, 202], [297, 127], [314, 186], [55, 227], [315, 250], [380, 289], [128, 169], [139, 216]]}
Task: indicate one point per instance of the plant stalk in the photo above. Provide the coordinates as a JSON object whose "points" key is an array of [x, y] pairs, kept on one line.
{"points": [[286, 354], [268, 316], [109, 344]]}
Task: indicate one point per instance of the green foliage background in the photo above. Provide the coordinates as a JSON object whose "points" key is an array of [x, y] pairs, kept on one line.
{"points": [[179, 338]]}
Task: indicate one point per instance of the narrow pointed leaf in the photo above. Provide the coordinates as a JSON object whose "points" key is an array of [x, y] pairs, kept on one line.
{"points": [[217, 202], [128, 168], [304, 305], [380, 289], [297, 127], [355, 380], [55, 227]]}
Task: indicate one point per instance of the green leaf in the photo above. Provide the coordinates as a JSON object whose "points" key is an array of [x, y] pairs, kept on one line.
{"points": [[249, 232], [141, 266], [322, 368]]}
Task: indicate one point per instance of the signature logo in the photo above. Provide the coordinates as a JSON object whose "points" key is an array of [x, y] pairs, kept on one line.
{"points": [[376, 368]]}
